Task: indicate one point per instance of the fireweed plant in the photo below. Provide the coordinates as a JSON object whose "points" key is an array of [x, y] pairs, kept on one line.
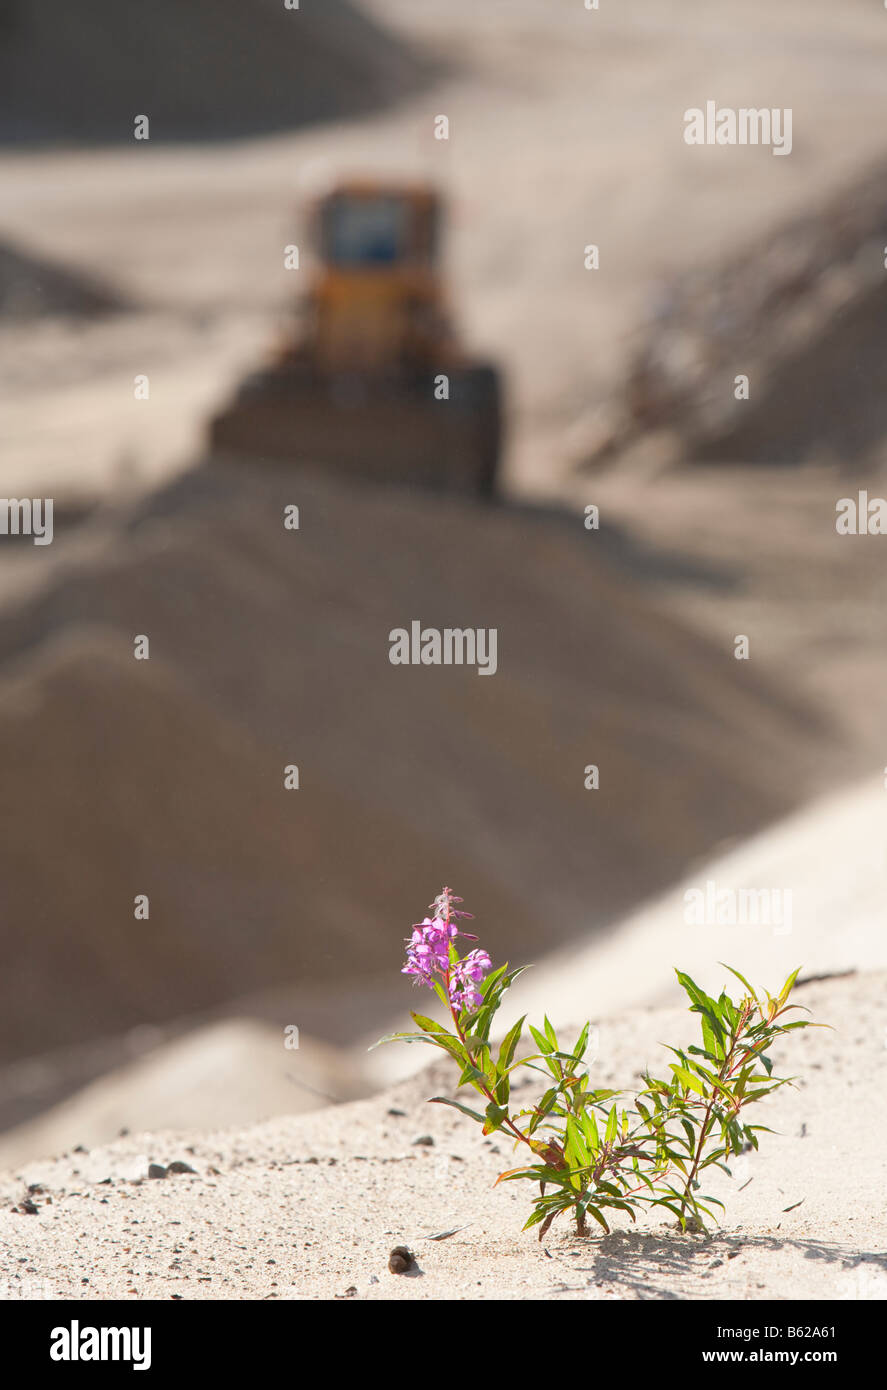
{"points": [[586, 1149]]}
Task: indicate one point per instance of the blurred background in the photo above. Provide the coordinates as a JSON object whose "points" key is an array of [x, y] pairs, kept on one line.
{"points": [[275, 384]]}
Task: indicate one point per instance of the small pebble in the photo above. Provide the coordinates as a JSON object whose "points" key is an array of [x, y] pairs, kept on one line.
{"points": [[401, 1260]]}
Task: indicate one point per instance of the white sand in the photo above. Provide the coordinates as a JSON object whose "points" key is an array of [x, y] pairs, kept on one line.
{"points": [[310, 1207]]}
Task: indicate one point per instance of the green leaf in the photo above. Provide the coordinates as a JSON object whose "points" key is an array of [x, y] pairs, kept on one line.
{"points": [[741, 978], [688, 1079], [492, 981], [457, 1105], [764, 1091], [479, 1024], [696, 993], [729, 1011], [597, 1097], [712, 1024], [670, 1206], [544, 1108], [581, 1044], [537, 1215], [512, 1174], [593, 1211], [590, 1130], [713, 1035], [541, 1041], [435, 1040], [788, 986], [524, 1062], [428, 1023], [451, 1045], [471, 1077], [495, 1115], [576, 1150], [509, 1044]]}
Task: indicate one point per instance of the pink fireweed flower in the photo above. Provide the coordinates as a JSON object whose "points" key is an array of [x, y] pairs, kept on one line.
{"points": [[464, 974], [428, 954], [428, 950], [476, 964]]}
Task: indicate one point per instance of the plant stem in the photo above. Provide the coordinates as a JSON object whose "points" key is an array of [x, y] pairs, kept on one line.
{"points": [[464, 1041], [726, 1069]]}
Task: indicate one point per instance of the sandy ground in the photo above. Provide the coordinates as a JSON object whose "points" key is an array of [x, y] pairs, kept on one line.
{"points": [[311, 1206]]}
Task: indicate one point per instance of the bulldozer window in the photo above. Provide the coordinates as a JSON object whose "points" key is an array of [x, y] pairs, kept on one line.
{"points": [[366, 231]]}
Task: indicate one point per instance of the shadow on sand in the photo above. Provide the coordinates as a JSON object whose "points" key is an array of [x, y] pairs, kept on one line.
{"points": [[644, 1265]]}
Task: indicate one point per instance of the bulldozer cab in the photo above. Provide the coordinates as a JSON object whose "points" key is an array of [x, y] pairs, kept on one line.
{"points": [[377, 303], [363, 227]]}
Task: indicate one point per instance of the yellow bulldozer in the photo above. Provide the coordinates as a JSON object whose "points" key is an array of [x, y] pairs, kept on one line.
{"points": [[374, 381]]}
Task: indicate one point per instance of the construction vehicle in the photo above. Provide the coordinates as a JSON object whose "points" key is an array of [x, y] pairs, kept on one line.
{"points": [[374, 383]]}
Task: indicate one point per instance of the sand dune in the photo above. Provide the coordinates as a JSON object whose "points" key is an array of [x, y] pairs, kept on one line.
{"points": [[124, 786], [270, 648], [201, 69], [236, 1073], [830, 857], [33, 288]]}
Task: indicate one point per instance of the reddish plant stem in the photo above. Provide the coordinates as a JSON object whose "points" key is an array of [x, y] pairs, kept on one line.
{"points": [[727, 1068], [484, 1088]]}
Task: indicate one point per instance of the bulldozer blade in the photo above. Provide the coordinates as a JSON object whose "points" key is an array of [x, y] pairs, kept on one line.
{"points": [[380, 430]]}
